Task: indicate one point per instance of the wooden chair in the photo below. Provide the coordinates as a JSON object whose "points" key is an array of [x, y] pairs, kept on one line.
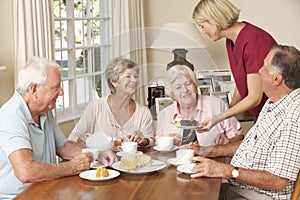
{"points": [[296, 191]]}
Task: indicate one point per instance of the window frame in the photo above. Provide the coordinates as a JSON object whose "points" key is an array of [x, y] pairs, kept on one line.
{"points": [[74, 109]]}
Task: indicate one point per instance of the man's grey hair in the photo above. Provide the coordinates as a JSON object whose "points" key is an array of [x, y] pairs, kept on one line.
{"points": [[34, 72], [287, 62]]}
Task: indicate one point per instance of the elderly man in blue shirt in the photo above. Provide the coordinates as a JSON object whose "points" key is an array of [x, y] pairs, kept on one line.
{"points": [[30, 138]]}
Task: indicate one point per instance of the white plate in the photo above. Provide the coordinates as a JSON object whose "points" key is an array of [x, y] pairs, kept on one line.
{"points": [[186, 168], [187, 127], [122, 153], [163, 150], [96, 164], [176, 161], [91, 175], [156, 165]]}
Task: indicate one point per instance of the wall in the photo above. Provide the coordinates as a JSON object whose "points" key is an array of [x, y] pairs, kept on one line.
{"points": [[67, 127], [6, 51], [278, 17]]}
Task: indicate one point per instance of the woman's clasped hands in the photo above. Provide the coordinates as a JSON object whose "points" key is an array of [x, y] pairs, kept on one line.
{"points": [[138, 137]]}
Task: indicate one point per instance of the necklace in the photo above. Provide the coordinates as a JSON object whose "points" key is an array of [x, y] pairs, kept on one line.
{"points": [[116, 125], [189, 137], [189, 113], [122, 121], [120, 110]]}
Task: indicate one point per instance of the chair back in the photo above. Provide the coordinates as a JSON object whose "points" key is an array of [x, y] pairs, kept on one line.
{"points": [[296, 191]]}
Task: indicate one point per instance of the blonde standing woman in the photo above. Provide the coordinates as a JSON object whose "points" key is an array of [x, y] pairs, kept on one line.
{"points": [[247, 45]]}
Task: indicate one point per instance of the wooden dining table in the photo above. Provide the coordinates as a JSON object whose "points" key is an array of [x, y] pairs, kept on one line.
{"points": [[167, 183]]}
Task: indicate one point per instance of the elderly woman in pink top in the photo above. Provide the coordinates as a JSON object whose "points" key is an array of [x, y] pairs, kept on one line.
{"points": [[181, 85]]}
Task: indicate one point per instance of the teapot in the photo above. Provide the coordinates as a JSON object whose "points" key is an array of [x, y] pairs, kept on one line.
{"points": [[98, 140]]}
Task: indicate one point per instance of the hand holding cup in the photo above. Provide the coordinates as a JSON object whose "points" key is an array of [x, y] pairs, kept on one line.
{"points": [[95, 152]]}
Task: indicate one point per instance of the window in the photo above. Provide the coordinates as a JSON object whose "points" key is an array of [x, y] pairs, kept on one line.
{"points": [[81, 27]]}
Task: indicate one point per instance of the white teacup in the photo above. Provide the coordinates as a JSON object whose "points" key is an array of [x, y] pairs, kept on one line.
{"points": [[128, 147], [165, 143], [95, 152], [184, 155]]}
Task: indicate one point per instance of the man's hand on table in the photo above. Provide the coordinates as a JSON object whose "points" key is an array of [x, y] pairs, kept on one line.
{"points": [[205, 167]]}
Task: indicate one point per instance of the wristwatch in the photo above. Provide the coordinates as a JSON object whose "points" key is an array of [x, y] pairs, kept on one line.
{"points": [[235, 173]]}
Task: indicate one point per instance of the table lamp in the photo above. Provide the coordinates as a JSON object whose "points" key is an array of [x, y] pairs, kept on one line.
{"points": [[180, 37]]}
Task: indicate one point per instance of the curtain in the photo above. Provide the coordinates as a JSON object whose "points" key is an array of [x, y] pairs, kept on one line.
{"points": [[33, 31], [128, 38]]}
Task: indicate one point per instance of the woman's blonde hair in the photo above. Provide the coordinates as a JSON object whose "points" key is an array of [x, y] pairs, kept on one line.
{"points": [[221, 13]]}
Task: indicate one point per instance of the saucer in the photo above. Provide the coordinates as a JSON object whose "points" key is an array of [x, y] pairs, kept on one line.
{"points": [[176, 161], [186, 168], [164, 150], [122, 153]]}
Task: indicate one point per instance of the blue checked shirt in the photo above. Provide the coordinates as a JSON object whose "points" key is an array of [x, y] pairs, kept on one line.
{"points": [[273, 144]]}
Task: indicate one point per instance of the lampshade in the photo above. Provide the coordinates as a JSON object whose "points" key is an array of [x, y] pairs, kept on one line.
{"points": [[179, 36]]}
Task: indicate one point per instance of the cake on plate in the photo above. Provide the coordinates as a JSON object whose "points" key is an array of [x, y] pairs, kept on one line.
{"points": [[133, 161], [101, 172], [186, 122], [116, 143]]}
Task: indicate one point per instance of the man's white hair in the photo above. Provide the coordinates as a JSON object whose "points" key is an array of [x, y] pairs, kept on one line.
{"points": [[34, 72]]}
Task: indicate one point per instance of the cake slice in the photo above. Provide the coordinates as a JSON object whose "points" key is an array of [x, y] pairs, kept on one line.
{"points": [[186, 122], [101, 172], [134, 161]]}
